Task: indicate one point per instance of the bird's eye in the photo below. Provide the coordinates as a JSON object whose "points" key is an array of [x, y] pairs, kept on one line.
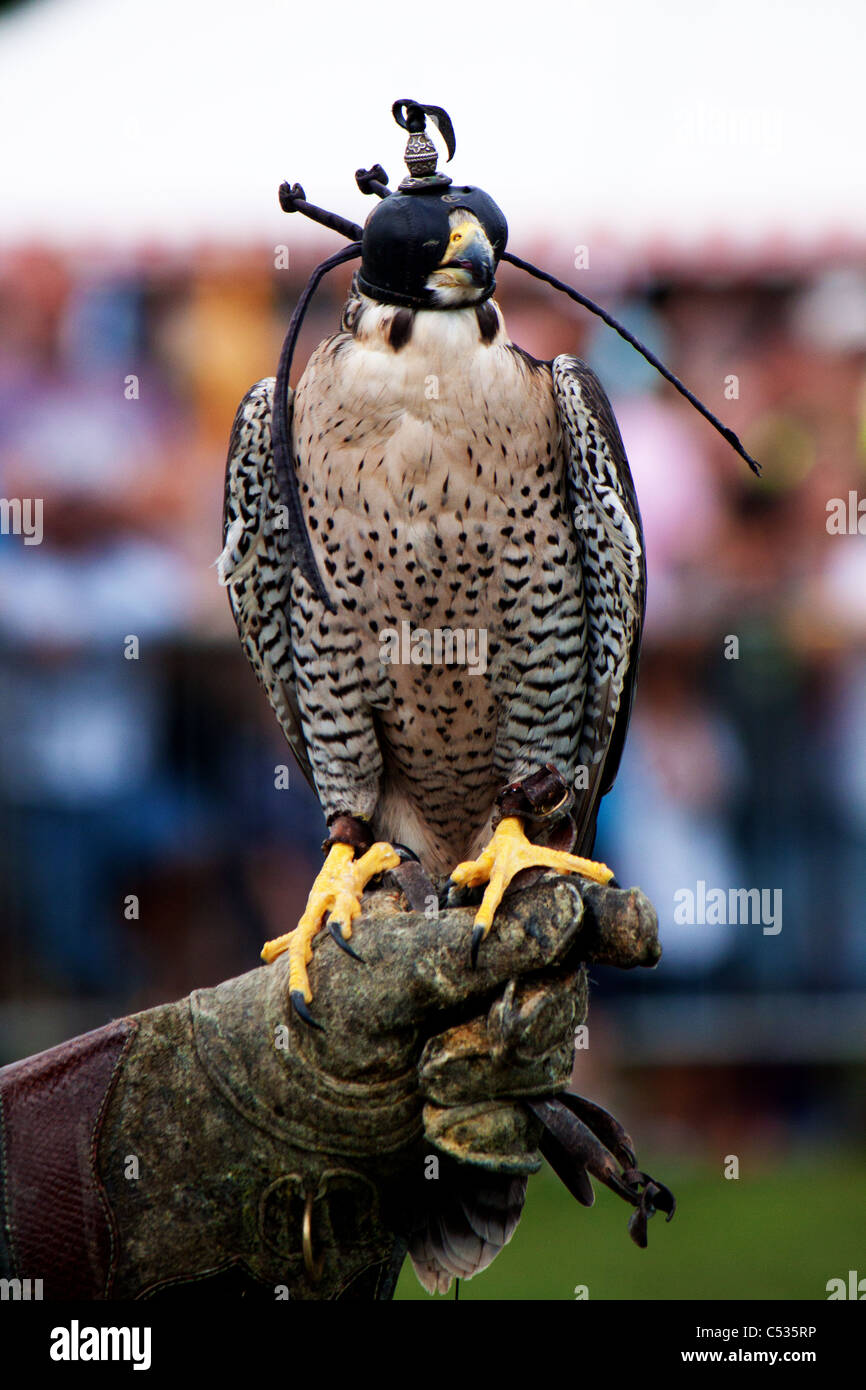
{"points": [[455, 236]]}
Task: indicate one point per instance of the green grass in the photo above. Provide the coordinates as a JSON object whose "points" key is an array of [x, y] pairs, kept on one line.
{"points": [[776, 1235]]}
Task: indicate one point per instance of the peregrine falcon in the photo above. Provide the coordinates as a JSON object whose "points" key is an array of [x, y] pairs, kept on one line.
{"points": [[462, 500], [433, 553]]}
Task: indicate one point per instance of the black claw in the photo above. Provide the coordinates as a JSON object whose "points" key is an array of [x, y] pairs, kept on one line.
{"points": [[407, 855], [659, 1197], [452, 893], [299, 1004], [334, 929], [477, 938]]}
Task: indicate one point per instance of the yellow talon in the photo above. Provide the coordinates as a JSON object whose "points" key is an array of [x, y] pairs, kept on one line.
{"points": [[508, 852], [337, 892]]}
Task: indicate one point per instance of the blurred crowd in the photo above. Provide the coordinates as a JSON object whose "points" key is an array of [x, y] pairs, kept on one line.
{"points": [[147, 844]]}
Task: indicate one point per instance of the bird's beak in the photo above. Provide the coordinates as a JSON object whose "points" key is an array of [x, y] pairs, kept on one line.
{"points": [[475, 260]]}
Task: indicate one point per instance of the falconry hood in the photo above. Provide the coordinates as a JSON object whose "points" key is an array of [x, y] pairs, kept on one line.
{"points": [[406, 237]]}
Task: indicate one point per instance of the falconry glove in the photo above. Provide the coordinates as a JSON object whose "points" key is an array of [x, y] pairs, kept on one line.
{"points": [[220, 1145]]}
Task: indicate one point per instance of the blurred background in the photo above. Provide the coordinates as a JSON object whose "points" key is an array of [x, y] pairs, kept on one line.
{"points": [[699, 173]]}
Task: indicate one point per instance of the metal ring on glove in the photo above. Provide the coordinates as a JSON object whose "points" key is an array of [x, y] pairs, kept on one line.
{"points": [[313, 1267]]}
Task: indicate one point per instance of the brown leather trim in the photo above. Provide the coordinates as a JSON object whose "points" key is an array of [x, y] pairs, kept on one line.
{"points": [[51, 1108], [544, 795], [349, 830]]}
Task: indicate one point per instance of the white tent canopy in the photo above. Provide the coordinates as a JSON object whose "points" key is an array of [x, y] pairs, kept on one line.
{"points": [[176, 119]]}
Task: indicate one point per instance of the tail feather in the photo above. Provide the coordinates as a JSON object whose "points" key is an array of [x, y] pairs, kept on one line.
{"points": [[465, 1232]]}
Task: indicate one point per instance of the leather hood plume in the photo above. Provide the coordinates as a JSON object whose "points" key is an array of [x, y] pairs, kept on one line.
{"points": [[406, 236]]}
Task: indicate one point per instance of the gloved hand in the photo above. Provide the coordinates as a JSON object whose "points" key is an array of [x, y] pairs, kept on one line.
{"points": [[220, 1141]]}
